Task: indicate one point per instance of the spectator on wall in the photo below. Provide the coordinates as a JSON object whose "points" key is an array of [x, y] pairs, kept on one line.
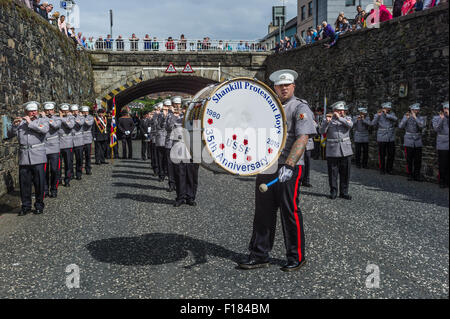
{"points": [[155, 44], [119, 43], [147, 43], [170, 44], [328, 32], [62, 25], [397, 9], [109, 42], [134, 41], [99, 44], [182, 43], [408, 7]]}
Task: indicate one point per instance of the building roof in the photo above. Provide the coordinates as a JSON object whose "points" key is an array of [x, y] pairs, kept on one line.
{"points": [[291, 23]]}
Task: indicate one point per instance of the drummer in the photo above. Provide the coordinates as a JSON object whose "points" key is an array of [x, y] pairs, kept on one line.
{"points": [[285, 193]]}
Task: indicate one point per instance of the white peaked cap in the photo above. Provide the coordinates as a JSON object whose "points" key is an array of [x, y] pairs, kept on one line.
{"points": [[445, 105], [74, 107], [49, 105], [176, 100], [387, 105], [362, 110], [283, 77], [85, 109], [64, 107], [167, 103], [340, 106], [415, 106], [31, 106]]}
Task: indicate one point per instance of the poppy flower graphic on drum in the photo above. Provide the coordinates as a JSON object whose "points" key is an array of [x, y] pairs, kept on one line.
{"points": [[240, 120]]}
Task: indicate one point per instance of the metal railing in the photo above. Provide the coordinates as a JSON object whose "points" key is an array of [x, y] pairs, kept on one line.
{"points": [[152, 45]]}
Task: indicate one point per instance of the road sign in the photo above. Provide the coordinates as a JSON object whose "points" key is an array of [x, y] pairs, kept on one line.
{"points": [[171, 69], [188, 68], [63, 4]]}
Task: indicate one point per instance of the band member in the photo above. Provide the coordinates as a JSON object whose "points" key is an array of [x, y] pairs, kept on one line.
{"points": [[126, 127], [153, 135], [285, 193], [440, 126], [361, 124], [101, 136], [107, 146], [319, 150], [144, 125], [169, 142], [161, 140], [413, 125], [52, 149], [385, 120], [31, 131], [87, 138], [78, 141], [337, 126], [66, 142]]}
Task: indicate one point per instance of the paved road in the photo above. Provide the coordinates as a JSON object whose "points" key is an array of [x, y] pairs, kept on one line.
{"points": [[120, 228]]}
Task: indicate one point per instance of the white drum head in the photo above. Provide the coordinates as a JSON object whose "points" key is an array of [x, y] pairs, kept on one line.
{"points": [[243, 126]]}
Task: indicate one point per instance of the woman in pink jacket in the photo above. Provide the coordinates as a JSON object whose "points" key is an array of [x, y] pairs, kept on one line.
{"points": [[408, 7]]}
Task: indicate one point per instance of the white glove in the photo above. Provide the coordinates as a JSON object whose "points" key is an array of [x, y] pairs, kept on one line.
{"points": [[127, 132], [146, 135], [285, 173]]}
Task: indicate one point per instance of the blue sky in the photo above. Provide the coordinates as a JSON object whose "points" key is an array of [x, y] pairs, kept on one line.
{"points": [[230, 19]]}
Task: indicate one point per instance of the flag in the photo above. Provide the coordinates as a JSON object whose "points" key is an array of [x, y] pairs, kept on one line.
{"points": [[113, 141]]}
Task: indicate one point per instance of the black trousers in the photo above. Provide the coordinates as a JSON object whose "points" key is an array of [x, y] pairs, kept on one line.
{"points": [[145, 150], [30, 175], [413, 161], [186, 180], [170, 169], [78, 151], [162, 161], [52, 173], [386, 149], [339, 167], [100, 151], [154, 158], [127, 142], [87, 150], [316, 152], [306, 168], [362, 154], [285, 196], [67, 158], [443, 167]]}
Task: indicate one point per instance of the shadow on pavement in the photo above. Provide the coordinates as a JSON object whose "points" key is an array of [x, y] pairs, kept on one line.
{"points": [[302, 192], [145, 198], [131, 166], [135, 162], [159, 249], [139, 186], [133, 172], [146, 178]]}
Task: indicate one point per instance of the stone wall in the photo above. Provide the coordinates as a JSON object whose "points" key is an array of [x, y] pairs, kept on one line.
{"points": [[37, 62], [368, 66]]}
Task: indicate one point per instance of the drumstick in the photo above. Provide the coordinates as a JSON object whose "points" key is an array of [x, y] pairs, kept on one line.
{"points": [[265, 187]]}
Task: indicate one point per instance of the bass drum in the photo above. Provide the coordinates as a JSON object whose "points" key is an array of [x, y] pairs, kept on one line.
{"points": [[237, 127]]}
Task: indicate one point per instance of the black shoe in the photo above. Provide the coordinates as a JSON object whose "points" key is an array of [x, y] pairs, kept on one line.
{"points": [[171, 189], [410, 178], [178, 203], [89, 173], [306, 185], [46, 195], [254, 263], [161, 179], [39, 212], [105, 162], [97, 163], [365, 167], [293, 266], [23, 212], [191, 202], [332, 196], [391, 173], [54, 195], [382, 173], [419, 179], [347, 197], [66, 184], [78, 178], [358, 166], [442, 186]]}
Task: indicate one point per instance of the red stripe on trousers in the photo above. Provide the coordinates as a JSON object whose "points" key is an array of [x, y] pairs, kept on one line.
{"points": [[299, 238]]}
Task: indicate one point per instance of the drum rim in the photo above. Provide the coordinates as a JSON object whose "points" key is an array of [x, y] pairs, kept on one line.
{"points": [[277, 100]]}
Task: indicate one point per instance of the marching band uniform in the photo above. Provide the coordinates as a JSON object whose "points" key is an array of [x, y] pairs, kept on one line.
{"points": [[32, 159], [145, 129], [66, 144], [170, 124], [126, 127], [52, 149], [339, 151], [413, 142], [78, 141], [153, 134], [161, 143], [101, 137], [107, 144], [386, 137], [361, 124], [87, 140], [284, 194], [440, 126]]}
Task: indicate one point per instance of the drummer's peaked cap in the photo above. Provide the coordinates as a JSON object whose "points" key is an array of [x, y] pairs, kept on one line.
{"points": [[415, 106], [339, 106], [85, 109], [31, 106], [167, 102], [64, 107], [284, 77], [49, 105], [74, 107], [176, 100], [387, 105], [445, 105]]}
